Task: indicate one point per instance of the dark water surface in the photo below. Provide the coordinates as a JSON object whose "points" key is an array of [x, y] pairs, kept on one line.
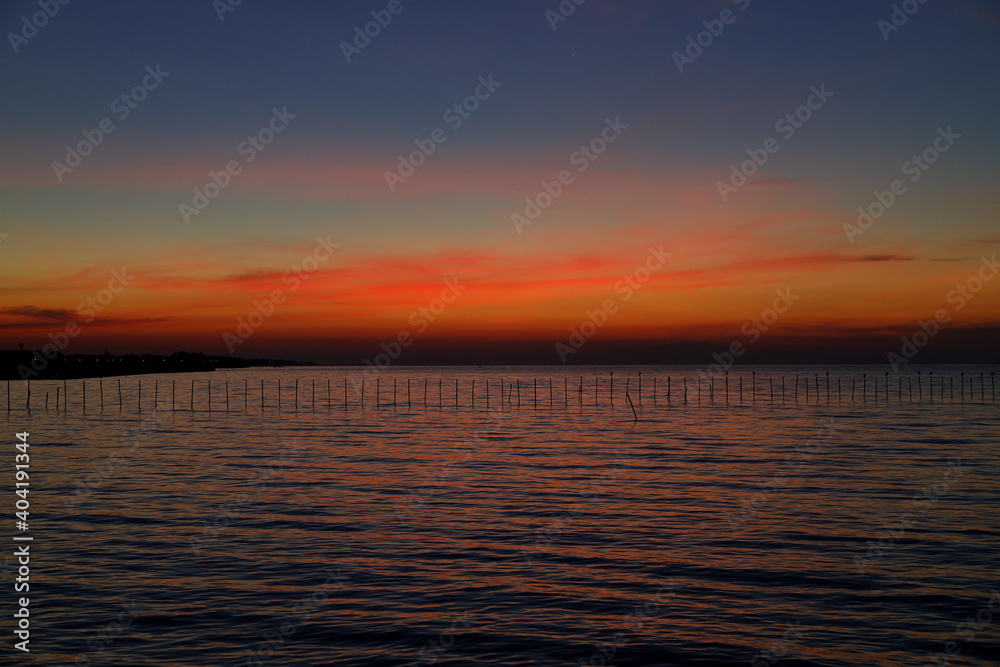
{"points": [[827, 531]]}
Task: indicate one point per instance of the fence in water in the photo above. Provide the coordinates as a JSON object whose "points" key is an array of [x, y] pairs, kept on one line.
{"points": [[218, 395]]}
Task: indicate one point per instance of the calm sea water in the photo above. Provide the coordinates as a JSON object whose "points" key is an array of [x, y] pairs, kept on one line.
{"points": [[816, 530]]}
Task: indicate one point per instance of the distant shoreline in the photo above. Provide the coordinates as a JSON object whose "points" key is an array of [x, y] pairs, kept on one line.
{"points": [[33, 365]]}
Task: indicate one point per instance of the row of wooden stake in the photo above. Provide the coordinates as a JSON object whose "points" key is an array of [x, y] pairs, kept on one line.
{"points": [[510, 393]]}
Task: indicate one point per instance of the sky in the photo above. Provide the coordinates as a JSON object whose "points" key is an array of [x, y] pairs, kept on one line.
{"points": [[619, 179]]}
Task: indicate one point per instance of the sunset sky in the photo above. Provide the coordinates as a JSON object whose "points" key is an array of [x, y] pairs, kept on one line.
{"points": [[608, 65]]}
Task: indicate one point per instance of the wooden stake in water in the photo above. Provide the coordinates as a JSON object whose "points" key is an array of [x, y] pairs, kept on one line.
{"points": [[378, 392], [173, 395], [456, 392], [640, 387], [408, 402], [770, 382], [57, 397], [795, 396], [296, 395], [140, 396], [518, 392], [362, 392], [920, 385], [727, 387], [753, 386], [612, 387], [192, 396], [156, 395], [246, 394], [566, 390], [536, 392], [654, 392], [440, 390], [595, 391], [102, 394], [550, 393], [119, 395], [864, 387], [46, 401], [634, 415], [227, 395], [393, 392], [209, 395], [668, 390], [685, 389], [854, 382], [314, 395], [84, 396]]}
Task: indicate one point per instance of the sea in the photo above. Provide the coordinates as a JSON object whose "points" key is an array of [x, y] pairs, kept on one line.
{"points": [[643, 515]]}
